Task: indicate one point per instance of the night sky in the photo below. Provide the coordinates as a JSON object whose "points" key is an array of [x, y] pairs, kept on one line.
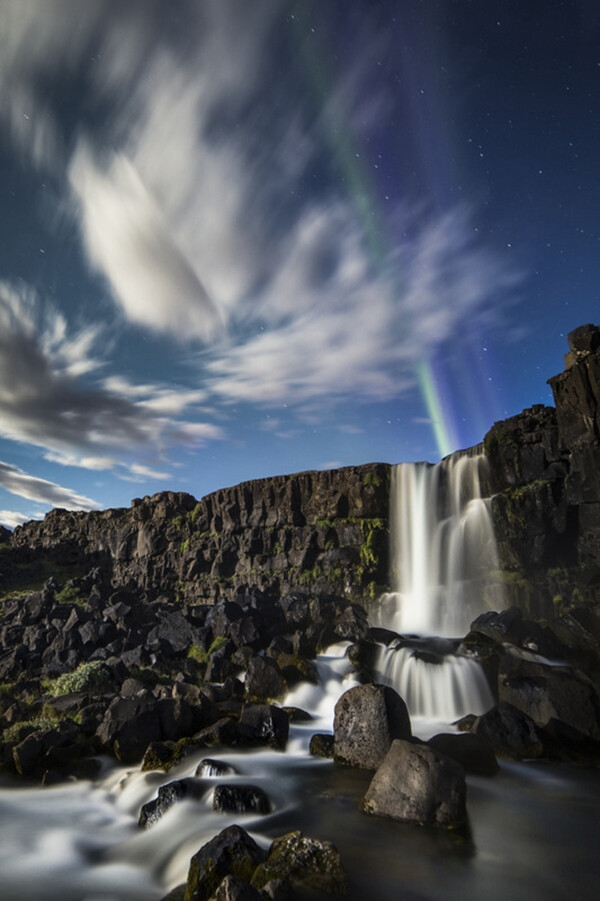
{"points": [[242, 238]]}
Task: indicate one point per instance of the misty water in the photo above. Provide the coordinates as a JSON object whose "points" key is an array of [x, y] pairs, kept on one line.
{"points": [[533, 825]]}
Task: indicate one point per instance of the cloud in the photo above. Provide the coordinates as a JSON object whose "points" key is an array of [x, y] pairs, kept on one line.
{"points": [[45, 402], [42, 491], [130, 242], [11, 519]]}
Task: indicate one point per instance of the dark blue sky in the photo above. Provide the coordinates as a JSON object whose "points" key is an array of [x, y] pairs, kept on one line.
{"points": [[241, 239]]}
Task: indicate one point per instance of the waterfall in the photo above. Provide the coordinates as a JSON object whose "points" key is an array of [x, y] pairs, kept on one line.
{"points": [[443, 552]]}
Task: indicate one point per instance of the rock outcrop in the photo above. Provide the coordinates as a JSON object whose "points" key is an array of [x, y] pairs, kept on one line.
{"points": [[323, 531]]}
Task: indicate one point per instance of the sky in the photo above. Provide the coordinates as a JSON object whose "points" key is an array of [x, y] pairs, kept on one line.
{"points": [[241, 238]]}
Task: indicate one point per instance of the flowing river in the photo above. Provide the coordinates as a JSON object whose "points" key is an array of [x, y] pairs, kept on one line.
{"points": [[534, 825]]}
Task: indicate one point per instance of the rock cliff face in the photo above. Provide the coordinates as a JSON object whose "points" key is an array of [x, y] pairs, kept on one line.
{"points": [[327, 532], [545, 466], [322, 531]]}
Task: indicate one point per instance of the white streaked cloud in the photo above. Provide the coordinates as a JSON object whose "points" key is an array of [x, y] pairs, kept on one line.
{"points": [[11, 519], [42, 491]]}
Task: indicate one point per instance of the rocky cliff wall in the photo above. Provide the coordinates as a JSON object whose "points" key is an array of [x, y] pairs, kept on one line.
{"points": [[545, 466], [323, 531]]}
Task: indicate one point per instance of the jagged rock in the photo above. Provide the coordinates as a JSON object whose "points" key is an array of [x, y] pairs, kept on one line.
{"points": [[510, 732], [162, 755], [415, 784], [303, 863], [223, 732], [367, 719], [470, 750], [129, 726], [550, 693], [296, 669], [238, 798], [232, 889], [264, 679], [231, 853], [168, 795], [264, 724]]}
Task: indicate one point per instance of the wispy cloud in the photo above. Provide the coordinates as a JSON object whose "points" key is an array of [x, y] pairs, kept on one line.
{"points": [[11, 519], [42, 491], [44, 402]]}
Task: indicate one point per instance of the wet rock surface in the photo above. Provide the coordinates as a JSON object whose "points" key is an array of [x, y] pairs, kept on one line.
{"points": [[367, 719], [416, 784]]}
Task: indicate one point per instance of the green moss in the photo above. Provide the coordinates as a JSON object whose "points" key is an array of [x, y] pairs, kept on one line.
{"points": [[183, 547], [372, 478], [93, 676], [201, 656], [70, 595], [17, 732]]}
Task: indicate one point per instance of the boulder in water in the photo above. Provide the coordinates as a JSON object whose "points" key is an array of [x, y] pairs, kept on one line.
{"points": [[305, 864], [168, 795], [236, 798], [321, 745], [473, 752], [367, 719], [263, 724], [415, 784], [509, 731], [231, 852], [210, 767]]}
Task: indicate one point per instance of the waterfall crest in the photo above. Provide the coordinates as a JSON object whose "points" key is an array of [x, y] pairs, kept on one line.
{"points": [[443, 551]]}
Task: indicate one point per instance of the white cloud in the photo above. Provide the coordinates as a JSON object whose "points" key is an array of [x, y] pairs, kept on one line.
{"points": [[11, 519], [42, 491]]}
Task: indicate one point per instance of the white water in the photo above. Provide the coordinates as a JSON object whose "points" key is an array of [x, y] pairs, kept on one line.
{"points": [[81, 841], [442, 551]]}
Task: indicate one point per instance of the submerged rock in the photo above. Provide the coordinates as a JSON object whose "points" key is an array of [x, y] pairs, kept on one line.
{"points": [[236, 798], [472, 751], [510, 732], [415, 784], [168, 795]]}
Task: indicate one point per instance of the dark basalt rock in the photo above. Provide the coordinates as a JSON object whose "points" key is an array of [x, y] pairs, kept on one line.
{"points": [[509, 731], [263, 724], [415, 784], [264, 679], [471, 751], [168, 795], [367, 719], [231, 853], [304, 864], [211, 767], [321, 745], [238, 798]]}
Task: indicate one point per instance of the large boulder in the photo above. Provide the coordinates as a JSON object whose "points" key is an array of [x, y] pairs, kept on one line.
{"points": [[509, 731], [415, 784], [473, 752], [263, 724], [550, 694], [230, 853], [367, 719], [264, 679], [305, 864], [130, 725]]}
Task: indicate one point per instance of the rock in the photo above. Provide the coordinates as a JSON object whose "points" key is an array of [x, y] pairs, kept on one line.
{"points": [[367, 719], [231, 853], [264, 680], [168, 795], [550, 693], [162, 755], [238, 798], [305, 864], [232, 889], [510, 732], [129, 726], [472, 752], [264, 724], [321, 745], [211, 767], [223, 732], [415, 784]]}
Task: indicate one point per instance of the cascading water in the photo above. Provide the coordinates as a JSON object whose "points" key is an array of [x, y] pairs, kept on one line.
{"points": [[443, 552]]}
